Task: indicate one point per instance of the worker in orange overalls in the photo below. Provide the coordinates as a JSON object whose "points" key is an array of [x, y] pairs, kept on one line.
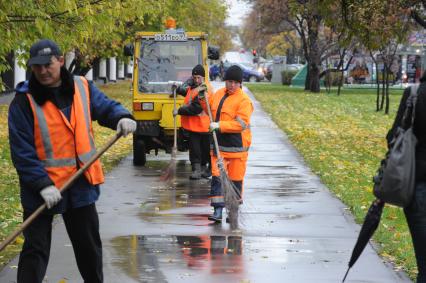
{"points": [[231, 111], [196, 123]]}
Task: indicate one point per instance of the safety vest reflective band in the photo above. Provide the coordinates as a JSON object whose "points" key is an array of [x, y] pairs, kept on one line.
{"points": [[233, 149], [217, 199], [64, 145]]}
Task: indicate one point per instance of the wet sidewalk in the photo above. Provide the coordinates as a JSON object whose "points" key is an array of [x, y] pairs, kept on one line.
{"points": [[291, 228]]}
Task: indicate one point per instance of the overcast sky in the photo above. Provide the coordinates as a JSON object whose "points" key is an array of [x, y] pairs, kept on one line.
{"points": [[237, 10]]}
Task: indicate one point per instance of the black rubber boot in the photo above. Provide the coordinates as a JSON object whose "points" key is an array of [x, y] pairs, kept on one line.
{"points": [[206, 172], [217, 215], [196, 172]]}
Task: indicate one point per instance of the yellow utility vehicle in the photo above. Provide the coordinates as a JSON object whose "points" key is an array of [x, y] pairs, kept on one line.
{"points": [[162, 60]]}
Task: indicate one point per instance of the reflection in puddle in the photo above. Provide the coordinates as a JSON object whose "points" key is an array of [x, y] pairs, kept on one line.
{"points": [[154, 258]]}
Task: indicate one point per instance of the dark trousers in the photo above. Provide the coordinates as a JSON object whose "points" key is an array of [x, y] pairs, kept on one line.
{"points": [[199, 148], [416, 219], [82, 225]]}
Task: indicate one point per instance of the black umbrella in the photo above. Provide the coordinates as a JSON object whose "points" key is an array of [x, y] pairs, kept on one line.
{"points": [[370, 224]]}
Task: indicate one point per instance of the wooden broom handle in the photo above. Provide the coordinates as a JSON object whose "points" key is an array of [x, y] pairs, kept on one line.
{"points": [[65, 187]]}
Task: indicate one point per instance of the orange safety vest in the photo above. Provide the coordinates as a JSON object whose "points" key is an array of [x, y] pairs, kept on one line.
{"points": [[199, 123], [65, 145], [233, 111]]}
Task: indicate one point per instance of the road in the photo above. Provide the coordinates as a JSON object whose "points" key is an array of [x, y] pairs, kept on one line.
{"points": [[292, 229]]}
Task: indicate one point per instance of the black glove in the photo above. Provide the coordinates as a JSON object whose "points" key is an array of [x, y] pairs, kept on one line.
{"points": [[182, 89], [202, 91]]}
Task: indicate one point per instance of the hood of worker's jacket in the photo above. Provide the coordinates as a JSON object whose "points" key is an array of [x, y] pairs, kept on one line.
{"points": [[41, 93]]}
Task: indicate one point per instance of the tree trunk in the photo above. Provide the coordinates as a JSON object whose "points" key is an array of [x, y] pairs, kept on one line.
{"points": [[308, 76], [313, 24], [387, 91], [382, 102], [314, 78], [339, 86], [342, 71], [378, 87]]}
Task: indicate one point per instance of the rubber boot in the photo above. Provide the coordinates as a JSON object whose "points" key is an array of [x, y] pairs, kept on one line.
{"points": [[196, 172], [206, 172], [217, 215]]}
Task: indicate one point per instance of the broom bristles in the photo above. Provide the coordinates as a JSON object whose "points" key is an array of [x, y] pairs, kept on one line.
{"points": [[169, 173]]}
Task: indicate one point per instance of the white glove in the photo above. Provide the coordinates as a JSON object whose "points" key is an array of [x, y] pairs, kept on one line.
{"points": [[175, 112], [51, 196], [214, 126], [126, 126]]}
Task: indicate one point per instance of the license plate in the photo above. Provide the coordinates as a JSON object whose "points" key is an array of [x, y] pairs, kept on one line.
{"points": [[170, 37]]}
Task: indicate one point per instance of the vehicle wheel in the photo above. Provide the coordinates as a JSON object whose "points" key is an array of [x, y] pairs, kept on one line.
{"points": [[139, 153], [252, 79]]}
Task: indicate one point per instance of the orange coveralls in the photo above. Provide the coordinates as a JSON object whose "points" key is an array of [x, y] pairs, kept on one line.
{"points": [[233, 112]]}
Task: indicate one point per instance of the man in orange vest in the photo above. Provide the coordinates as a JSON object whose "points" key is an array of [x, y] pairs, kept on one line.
{"points": [[196, 122], [231, 110], [51, 137]]}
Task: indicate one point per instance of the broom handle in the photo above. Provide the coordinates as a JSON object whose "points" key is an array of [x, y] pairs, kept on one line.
{"points": [[66, 186], [216, 144], [174, 118]]}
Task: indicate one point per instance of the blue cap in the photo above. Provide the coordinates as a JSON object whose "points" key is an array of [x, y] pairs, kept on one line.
{"points": [[42, 51]]}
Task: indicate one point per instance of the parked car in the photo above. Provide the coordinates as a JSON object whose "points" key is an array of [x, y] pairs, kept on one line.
{"points": [[263, 67], [250, 73]]}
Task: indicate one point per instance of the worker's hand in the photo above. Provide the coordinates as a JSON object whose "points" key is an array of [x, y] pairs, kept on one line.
{"points": [[214, 126], [202, 91], [51, 196], [126, 126], [175, 112]]}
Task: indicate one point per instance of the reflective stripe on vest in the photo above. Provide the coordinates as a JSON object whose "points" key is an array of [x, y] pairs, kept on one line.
{"points": [[50, 161], [64, 144], [239, 120], [85, 157], [47, 143]]}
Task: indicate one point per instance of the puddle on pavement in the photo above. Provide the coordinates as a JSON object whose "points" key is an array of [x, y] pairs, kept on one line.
{"points": [[215, 258], [288, 191], [180, 194], [150, 258]]}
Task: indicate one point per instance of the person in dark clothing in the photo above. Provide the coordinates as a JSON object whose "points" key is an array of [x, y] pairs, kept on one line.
{"points": [[196, 122], [51, 137], [415, 213]]}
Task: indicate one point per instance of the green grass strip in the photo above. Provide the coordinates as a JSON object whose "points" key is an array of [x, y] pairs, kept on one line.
{"points": [[342, 139]]}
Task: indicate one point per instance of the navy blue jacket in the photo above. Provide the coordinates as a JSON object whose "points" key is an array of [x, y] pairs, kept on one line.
{"points": [[32, 175]]}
